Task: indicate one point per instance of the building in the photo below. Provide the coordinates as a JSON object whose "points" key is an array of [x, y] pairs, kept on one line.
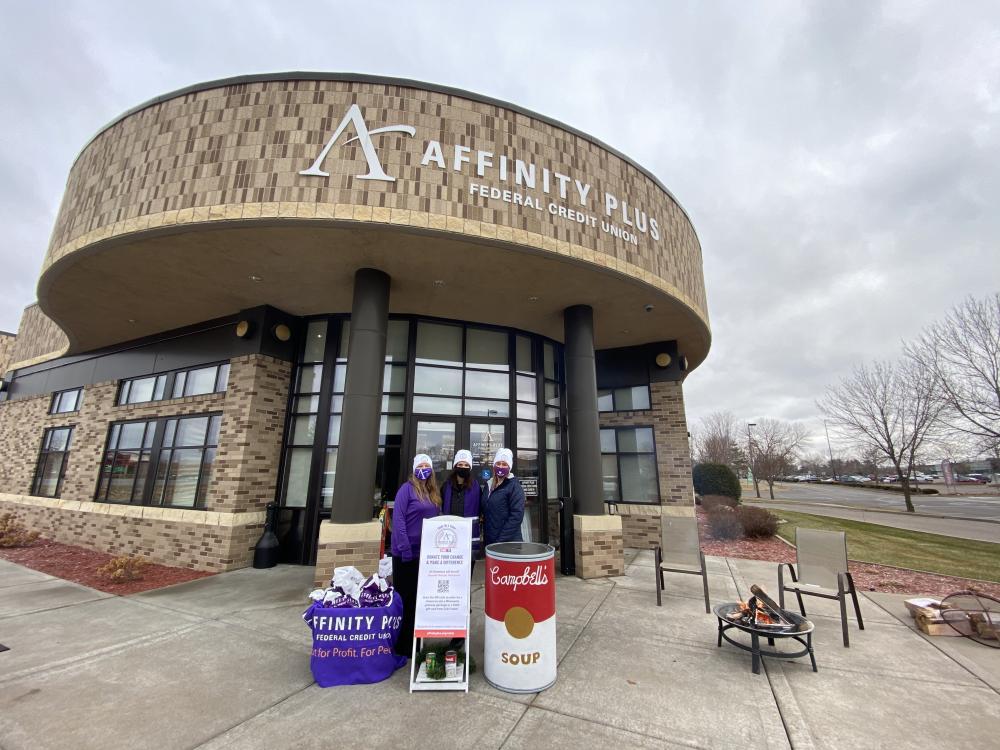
{"points": [[281, 287]]}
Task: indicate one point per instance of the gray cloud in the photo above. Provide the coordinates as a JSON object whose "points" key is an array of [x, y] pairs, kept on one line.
{"points": [[839, 160]]}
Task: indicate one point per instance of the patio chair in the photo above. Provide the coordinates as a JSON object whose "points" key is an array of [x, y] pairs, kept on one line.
{"points": [[822, 571], [679, 552]]}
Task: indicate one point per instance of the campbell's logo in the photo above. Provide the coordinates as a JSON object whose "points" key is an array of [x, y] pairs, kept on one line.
{"points": [[536, 577]]}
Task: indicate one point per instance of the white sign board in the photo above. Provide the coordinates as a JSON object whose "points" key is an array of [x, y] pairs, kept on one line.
{"points": [[445, 573]]}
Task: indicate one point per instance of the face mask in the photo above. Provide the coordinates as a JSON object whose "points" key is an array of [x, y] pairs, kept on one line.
{"points": [[422, 473], [463, 472], [501, 471]]}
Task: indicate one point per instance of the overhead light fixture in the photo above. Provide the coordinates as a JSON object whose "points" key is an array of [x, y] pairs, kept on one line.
{"points": [[243, 328], [662, 359], [282, 332], [255, 277], [131, 320], [438, 282], [532, 298]]}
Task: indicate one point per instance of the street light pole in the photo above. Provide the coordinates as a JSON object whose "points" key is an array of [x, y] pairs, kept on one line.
{"points": [[753, 474], [830, 448]]}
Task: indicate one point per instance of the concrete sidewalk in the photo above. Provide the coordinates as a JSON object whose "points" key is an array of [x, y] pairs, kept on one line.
{"points": [[223, 662]]}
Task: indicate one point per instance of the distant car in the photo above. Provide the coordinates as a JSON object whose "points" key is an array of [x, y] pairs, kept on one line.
{"points": [[806, 478], [970, 479], [983, 478], [925, 478], [890, 478]]}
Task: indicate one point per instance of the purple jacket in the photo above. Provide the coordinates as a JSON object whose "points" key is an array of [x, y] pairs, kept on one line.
{"points": [[469, 508], [408, 514]]}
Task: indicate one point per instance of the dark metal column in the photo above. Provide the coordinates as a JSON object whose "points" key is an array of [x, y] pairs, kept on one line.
{"points": [[353, 489], [583, 427]]}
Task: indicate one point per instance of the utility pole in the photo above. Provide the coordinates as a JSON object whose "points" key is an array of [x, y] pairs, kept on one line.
{"points": [[753, 474], [830, 448]]}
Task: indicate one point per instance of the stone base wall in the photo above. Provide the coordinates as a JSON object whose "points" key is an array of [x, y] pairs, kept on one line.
{"points": [[182, 538], [354, 544], [599, 545]]}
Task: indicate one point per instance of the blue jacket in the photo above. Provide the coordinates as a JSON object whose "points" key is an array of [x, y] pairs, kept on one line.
{"points": [[504, 513]]}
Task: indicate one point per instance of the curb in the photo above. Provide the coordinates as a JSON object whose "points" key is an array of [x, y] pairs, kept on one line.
{"points": [[916, 514]]}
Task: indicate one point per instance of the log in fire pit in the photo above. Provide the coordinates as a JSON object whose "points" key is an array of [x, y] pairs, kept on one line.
{"points": [[761, 616]]}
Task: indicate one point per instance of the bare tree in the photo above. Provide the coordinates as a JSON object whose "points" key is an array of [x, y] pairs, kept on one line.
{"points": [[716, 438], [963, 353], [891, 406], [775, 449]]}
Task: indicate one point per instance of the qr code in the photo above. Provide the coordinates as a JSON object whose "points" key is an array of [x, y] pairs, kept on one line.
{"points": [[443, 587]]}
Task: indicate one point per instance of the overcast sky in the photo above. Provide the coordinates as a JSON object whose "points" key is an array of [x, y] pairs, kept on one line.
{"points": [[840, 161]]}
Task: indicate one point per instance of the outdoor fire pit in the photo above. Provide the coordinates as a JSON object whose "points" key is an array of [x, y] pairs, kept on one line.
{"points": [[762, 618]]}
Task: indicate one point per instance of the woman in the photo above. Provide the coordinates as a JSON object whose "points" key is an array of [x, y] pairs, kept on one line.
{"points": [[417, 499], [461, 494], [505, 502]]}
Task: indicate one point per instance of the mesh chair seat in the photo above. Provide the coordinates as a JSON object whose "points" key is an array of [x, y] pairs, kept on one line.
{"points": [[679, 552], [821, 570]]}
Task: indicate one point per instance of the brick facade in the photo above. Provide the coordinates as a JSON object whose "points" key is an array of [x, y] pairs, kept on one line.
{"points": [[244, 476], [38, 339], [641, 523], [599, 546], [355, 544], [7, 342]]}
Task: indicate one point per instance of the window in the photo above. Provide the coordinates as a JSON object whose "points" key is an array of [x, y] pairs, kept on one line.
{"points": [[64, 402], [633, 398], [52, 461], [166, 461], [197, 381], [628, 465]]}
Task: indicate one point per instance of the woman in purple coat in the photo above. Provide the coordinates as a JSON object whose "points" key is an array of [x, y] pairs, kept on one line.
{"points": [[417, 499], [461, 494]]}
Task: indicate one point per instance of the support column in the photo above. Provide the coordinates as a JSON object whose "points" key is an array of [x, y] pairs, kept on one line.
{"points": [[351, 537], [597, 535]]}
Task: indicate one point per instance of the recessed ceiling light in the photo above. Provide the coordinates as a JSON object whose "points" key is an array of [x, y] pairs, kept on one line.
{"points": [[438, 282], [532, 299], [624, 330], [254, 277], [131, 320]]}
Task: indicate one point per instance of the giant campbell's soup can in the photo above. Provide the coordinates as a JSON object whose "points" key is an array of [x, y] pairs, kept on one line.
{"points": [[520, 639]]}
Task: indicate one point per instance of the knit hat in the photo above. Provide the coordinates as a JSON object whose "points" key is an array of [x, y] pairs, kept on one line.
{"points": [[505, 455], [421, 458], [464, 455]]}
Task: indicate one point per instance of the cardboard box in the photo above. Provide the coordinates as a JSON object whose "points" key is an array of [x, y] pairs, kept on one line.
{"points": [[923, 606], [937, 626]]}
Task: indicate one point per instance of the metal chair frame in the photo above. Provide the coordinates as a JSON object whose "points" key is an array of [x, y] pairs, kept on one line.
{"points": [[845, 586]]}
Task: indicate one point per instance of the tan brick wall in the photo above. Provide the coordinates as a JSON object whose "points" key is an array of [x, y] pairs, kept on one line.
{"points": [[166, 540], [673, 456], [243, 480], [7, 341], [235, 153], [38, 338], [599, 546]]}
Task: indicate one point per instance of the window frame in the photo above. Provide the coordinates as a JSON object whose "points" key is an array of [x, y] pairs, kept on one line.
{"points": [[143, 496], [614, 405], [57, 397], [170, 378], [618, 463], [43, 455]]}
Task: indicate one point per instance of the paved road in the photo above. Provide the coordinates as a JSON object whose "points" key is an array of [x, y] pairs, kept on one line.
{"points": [[966, 506], [984, 532]]}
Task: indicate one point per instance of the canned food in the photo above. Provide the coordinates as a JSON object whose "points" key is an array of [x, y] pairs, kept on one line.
{"points": [[430, 662], [520, 627], [451, 664]]}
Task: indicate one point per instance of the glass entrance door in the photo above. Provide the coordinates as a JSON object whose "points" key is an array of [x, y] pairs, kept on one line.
{"points": [[484, 440], [440, 438]]}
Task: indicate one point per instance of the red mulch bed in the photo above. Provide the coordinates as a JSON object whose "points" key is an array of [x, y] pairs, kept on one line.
{"points": [[80, 565], [867, 576]]}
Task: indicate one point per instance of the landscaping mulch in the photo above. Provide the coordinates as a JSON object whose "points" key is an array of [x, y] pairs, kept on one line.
{"points": [[867, 576], [80, 565]]}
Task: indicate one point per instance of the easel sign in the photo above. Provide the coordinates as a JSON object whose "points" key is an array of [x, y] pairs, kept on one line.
{"points": [[442, 595]]}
